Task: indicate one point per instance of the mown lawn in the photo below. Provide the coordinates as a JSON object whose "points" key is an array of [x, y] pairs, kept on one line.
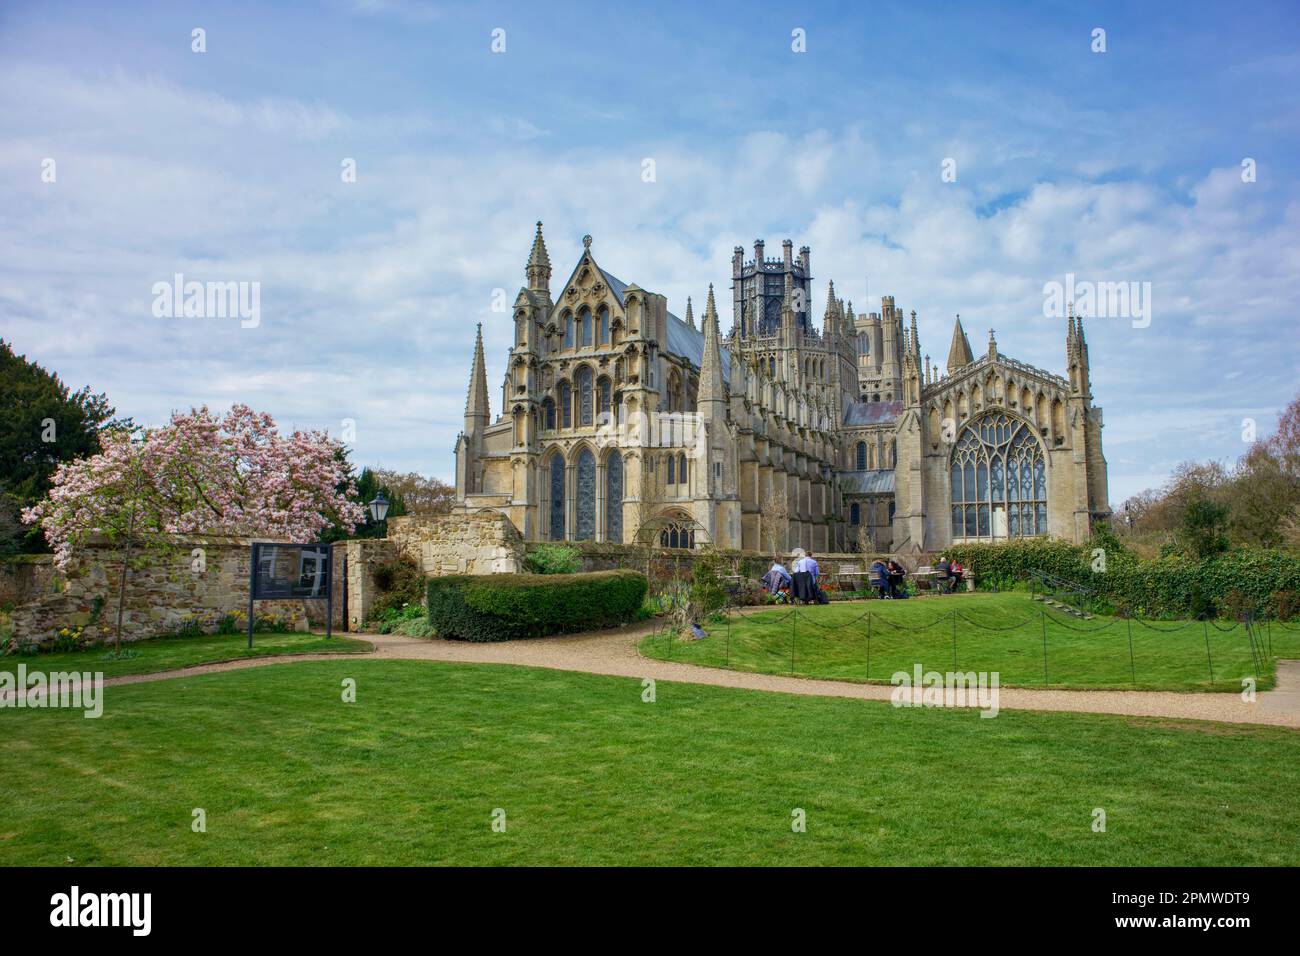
{"points": [[1000, 633], [169, 653], [588, 773]]}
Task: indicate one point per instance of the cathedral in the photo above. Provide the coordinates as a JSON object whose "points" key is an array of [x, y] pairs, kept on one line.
{"points": [[622, 423]]}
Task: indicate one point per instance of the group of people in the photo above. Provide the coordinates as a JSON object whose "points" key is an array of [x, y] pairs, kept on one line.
{"points": [[887, 578], [800, 583], [797, 584]]}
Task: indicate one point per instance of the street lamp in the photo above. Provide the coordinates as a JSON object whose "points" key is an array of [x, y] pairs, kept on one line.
{"points": [[379, 511]]}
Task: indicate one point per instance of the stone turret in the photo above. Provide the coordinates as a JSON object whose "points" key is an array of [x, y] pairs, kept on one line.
{"points": [[539, 265]]}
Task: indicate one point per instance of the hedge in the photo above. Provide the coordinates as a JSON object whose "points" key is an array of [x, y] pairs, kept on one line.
{"points": [[504, 607], [1263, 581]]}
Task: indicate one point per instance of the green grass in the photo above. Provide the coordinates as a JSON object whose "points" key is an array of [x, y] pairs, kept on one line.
{"points": [[164, 654], [587, 773], [830, 641]]}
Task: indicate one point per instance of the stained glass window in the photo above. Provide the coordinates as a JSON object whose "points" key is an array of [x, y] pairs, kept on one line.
{"points": [[585, 497], [999, 481], [568, 330], [557, 498], [584, 396], [614, 498], [585, 317], [603, 319], [566, 405]]}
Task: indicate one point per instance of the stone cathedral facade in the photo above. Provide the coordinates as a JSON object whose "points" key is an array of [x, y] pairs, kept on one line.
{"points": [[622, 423]]}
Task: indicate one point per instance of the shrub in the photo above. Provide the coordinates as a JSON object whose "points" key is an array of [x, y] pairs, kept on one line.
{"points": [[1286, 605], [398, 582], [502, 607], [554, 559]]}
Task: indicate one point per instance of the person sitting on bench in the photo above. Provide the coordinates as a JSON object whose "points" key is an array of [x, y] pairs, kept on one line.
{"points": [[880, 579], [943, 575]]}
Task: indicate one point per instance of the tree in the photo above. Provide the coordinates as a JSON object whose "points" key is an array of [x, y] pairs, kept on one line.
{"points": [[234, 475], [1204, 530], [420, 495], [44, 424]]}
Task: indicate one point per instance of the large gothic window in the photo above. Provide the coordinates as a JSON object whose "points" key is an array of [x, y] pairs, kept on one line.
{"points": [[677, 533], [614, 498], [999, 481], [548, 407], [586, 326], [584, 396], [568, 330], [603, 321], [585, 497], [557, 498]]}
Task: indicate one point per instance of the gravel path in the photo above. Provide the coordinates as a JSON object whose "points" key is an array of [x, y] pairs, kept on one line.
{"points": [[614, 653]]}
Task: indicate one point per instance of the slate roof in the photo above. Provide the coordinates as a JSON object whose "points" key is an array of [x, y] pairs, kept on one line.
{"points": [[879, 481], [871, 413]]}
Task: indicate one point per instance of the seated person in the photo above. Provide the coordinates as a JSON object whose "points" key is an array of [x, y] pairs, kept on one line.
{"points": [[880, 579], [777, 577], [958, 573], [896, 576], [943, 574]]}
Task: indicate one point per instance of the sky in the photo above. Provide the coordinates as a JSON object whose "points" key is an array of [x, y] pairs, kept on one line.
{"points": [[958, 156]]}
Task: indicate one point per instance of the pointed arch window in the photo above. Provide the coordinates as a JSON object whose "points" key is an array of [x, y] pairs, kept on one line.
{"points": [[614, 498], [566, 405], [604, 394], [548, 408], [585, 415], [585, 316], [681, 468], [855, 514], [585, 497], [862, 456], [999, 481], [672, 469], [556, 498], [602, 320], [568, 330]]}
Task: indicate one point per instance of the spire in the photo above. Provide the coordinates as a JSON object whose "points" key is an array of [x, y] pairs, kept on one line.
{"points": [[690, 316], [476, 401], [916, 341], [830, 315], [959, 353], [993, 346], [539, 264], [711, 398]]}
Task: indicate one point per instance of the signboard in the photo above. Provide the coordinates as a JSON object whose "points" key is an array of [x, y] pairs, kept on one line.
{"points": [[291, 572]]}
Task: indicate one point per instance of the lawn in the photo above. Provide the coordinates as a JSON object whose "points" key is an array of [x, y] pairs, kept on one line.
{"points": [[1001, 633], [588, 773], [168, 653]]}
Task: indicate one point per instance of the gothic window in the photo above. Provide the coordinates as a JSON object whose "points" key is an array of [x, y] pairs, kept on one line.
{"points": [[568, 330], [566, 405], [999, 481], [603, 321], [681, 468], [614, 498], [677, 533], [862, 456], [672, 469], [585, 316], [855, 514], [603, 393], [585, 496], [557, 498], [584, 396], [548, 407]]}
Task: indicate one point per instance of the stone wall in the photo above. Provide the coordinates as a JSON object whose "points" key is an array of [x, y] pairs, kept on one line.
{"points": [[160, 596], [25, 578], [477, 542]]}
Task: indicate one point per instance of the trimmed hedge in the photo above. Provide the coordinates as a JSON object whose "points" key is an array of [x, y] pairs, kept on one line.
{"points": [[505, 607], [1262, 580]]}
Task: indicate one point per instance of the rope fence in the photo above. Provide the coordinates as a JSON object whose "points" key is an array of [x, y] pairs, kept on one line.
{"points": [[1043, 648]]}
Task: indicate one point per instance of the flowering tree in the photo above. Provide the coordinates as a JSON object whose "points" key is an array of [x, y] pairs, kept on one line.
{"points": [[200, 474]]}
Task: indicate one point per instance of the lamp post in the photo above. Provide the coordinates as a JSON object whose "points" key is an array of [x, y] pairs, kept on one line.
{"points": [[379, 512]]}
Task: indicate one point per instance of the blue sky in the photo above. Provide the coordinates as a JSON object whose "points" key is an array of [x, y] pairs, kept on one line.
{"points": [[225, 166]]}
